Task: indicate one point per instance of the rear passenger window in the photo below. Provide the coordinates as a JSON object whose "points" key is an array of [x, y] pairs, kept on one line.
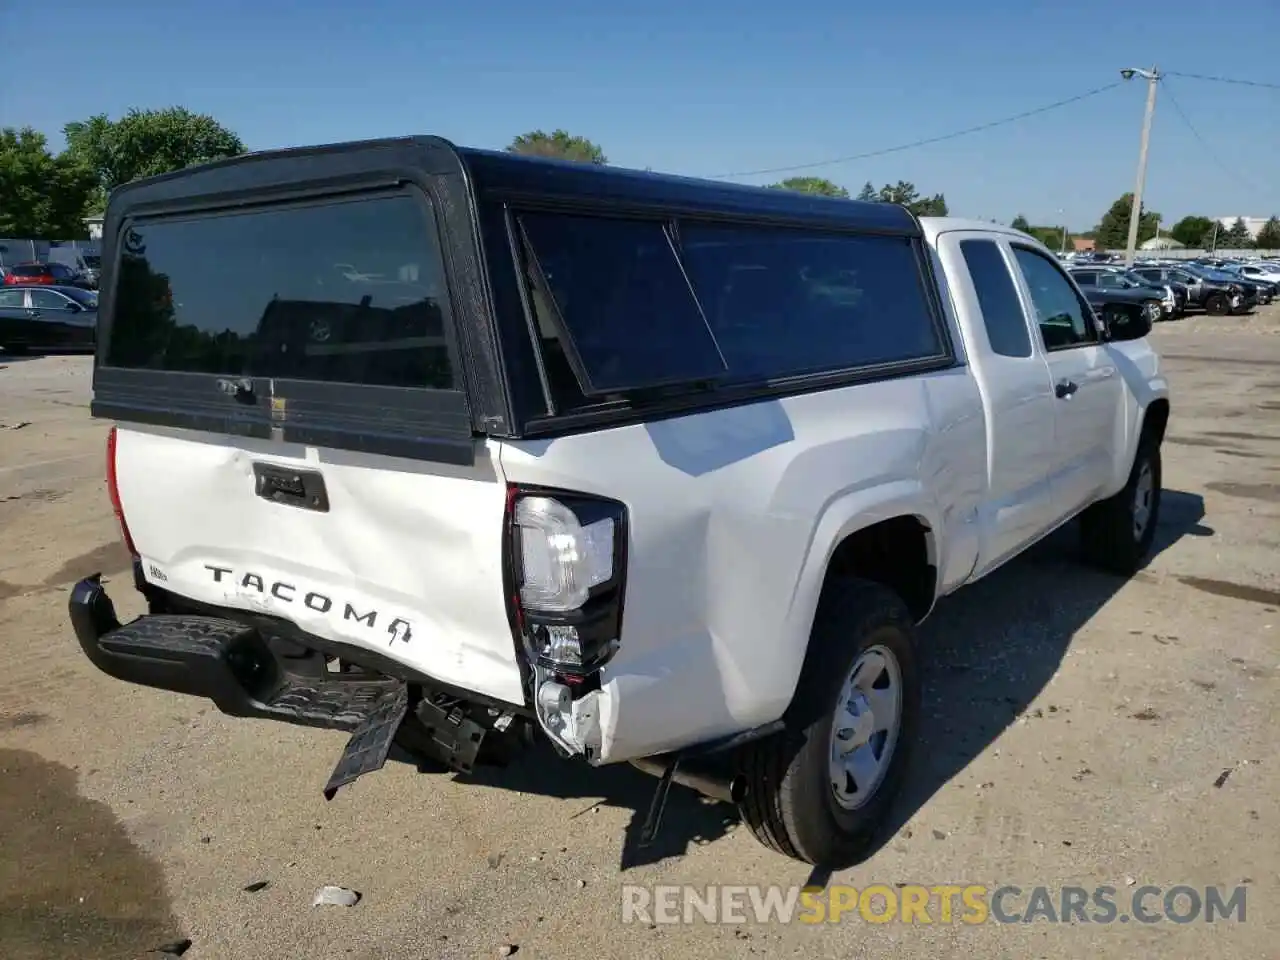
{"points": [[619, 291], [784, 302], [997, 298]]}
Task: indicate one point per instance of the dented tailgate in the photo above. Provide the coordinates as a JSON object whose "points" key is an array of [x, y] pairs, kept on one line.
{"points": [[406, 560]]}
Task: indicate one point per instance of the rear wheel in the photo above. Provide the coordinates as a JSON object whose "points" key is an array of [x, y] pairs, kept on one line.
{"points": [[1117, 533], [1217, 304], [818, 790]]}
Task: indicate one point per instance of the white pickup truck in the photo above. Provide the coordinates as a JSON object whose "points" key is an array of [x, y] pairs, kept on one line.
{"points": [[459, 451]]}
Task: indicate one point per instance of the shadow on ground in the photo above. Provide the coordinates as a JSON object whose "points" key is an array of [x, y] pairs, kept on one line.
{"points": [[988, 652], [72, 884]]}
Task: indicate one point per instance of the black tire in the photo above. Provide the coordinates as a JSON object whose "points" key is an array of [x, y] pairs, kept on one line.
{"points": [[1217, 305], [1109, 533], [790, 806]]}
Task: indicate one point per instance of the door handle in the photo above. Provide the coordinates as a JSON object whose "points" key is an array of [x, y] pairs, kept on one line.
{"points": [[1064, 389]]}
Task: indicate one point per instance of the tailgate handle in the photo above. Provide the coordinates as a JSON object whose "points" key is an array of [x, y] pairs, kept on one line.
{"points": [[294, 488]]}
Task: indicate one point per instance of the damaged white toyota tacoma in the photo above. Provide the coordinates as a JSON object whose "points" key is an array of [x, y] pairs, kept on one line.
{"points": [[460, 451]]}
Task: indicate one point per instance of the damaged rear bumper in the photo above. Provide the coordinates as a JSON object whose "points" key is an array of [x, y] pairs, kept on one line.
{"points": [[232, 663]]}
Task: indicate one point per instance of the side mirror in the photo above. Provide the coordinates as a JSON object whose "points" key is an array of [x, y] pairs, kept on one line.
{"points": [[1125, 321]]}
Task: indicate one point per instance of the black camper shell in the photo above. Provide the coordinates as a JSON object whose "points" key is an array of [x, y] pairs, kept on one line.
{"points": [[185, 256]]}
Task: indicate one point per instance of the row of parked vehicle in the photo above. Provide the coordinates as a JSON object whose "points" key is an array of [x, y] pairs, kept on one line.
{"points": [[45, 273], [47, 317], [1172, 288]]}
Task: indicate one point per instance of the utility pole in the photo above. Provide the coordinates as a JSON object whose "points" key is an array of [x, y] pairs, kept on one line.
{"points": [[1152, 77]]}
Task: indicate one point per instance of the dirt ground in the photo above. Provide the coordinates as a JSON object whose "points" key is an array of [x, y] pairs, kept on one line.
{"points": [[1078, 731]]}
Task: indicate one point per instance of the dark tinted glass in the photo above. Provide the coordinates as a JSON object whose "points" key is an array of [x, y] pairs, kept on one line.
{"points": [[348, 291], [30, 270], [48, 300], [784, 302], [624, 299], [88, 298], [998, 298]]}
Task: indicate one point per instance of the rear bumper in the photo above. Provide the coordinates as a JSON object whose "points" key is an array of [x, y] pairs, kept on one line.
{"points": [[221, 660]]}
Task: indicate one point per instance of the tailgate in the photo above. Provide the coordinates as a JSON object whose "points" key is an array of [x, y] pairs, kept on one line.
{"points": [[398, 556]]}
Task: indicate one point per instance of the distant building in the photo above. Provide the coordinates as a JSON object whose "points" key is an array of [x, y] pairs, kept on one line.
{"points": [[1253, 224], [94, 225], [1083, 245], [1162, 243]]}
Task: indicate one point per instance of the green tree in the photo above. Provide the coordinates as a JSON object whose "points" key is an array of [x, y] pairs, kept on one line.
{"points": [[42, 196], [559, 145], [1190, 231], [144, 143], [1020, 223], [1237, 237], [1112, 232], [868, 192], [1269, 236], [906, 194], [818, 185]]}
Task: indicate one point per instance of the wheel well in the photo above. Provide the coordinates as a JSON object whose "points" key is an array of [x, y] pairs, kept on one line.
{"points": [[894, 553], [1156, 420]]}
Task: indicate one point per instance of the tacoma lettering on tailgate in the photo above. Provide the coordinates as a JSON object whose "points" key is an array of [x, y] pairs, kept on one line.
{"points": [[398, 628]]}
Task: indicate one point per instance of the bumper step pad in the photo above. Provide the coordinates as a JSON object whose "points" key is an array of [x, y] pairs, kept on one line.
{"points": [[368, 747]]}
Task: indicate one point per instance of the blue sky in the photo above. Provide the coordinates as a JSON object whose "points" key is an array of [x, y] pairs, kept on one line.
{"points": [[708, 88]]}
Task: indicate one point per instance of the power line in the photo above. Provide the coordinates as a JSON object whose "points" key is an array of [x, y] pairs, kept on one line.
{"points": [[1213, 154], [928, 140], [1242, 83]]}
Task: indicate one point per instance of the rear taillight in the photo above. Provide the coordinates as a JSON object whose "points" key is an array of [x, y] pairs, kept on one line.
{"points": [[113, 491], [568, 562]]}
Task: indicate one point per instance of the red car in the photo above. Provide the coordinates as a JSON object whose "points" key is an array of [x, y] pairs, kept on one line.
{"points": [[51, 273]]}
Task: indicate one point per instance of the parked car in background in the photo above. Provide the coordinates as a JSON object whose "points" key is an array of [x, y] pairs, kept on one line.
{"points": [[1219, 297], [47, 273], [1252, 293], [1105, 278], [1149, 307], [47, 318], [1264, 274]]}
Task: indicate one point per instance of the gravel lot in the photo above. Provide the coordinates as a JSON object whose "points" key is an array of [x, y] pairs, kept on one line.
{"points": [[1079, 727]]}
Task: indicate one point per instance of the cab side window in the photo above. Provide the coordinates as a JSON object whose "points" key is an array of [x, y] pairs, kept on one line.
{"points": [[1065, 320], [997, 298], [48, 300]]}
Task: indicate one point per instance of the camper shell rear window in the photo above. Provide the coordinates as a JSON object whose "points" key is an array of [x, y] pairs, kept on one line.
{"points": [[341, 291]]}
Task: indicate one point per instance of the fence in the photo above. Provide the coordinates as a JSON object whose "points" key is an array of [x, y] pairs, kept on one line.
{"points": [[1184, 254]]}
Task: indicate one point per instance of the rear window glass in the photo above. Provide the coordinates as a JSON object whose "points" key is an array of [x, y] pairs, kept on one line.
{"points": [[620, 291], [30, 270], [784, 302], [346, 291]]}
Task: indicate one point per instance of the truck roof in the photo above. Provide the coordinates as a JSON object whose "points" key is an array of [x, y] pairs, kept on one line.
{"points": [[932, 226], [498, 173]]}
